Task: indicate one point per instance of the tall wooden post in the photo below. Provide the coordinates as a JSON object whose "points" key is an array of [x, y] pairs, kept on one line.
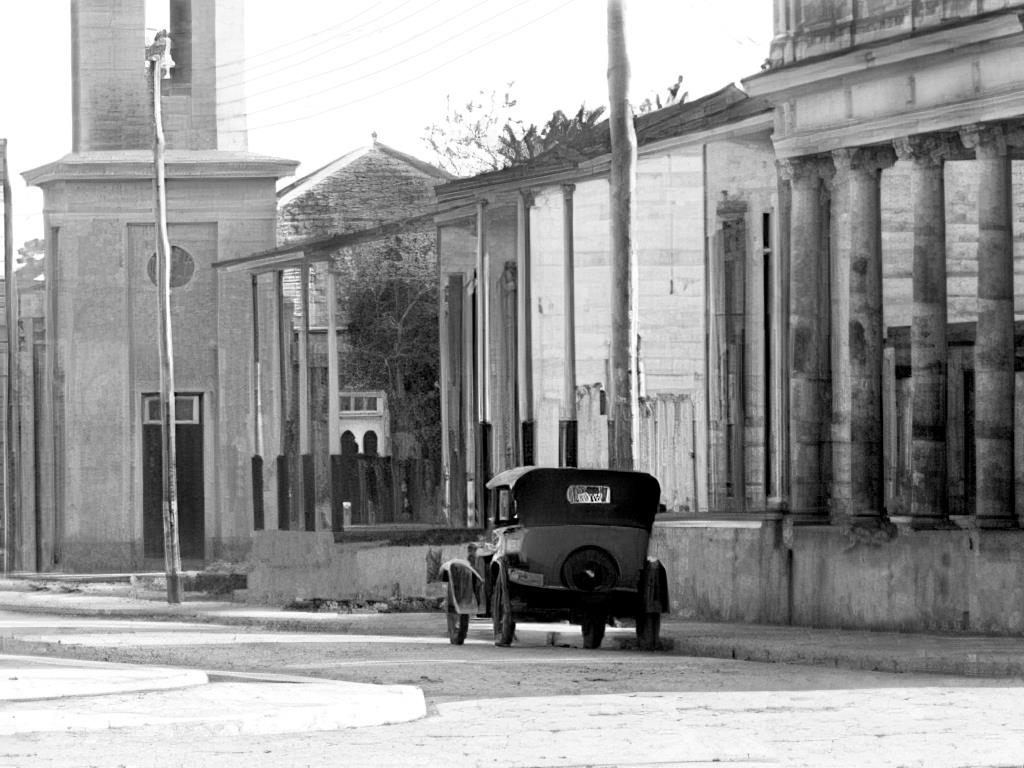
{"points": [[567, 428], [306, 484], [258, 520], [159, 58], [333, 406], [524, 348], [625, 306], [483, 437]]}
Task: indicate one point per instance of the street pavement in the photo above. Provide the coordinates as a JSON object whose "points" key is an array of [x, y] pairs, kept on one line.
{"points": [[39, 694]]}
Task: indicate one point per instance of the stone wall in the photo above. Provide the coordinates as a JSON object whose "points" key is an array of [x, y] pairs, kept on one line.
{"points": [[916, 581], [670, 251], [290, 565]]}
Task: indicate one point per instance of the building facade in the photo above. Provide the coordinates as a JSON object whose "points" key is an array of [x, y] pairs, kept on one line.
{"points": [[849, 339], [98, 473], [525, 256]]}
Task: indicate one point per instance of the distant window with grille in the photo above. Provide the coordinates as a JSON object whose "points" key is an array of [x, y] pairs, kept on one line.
{"points": [[361, 402]]}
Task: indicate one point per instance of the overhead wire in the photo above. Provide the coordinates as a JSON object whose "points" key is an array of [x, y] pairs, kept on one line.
{"points": [[363, 60], [419, 76], [373, 26], [395, 64], [340, 30]]}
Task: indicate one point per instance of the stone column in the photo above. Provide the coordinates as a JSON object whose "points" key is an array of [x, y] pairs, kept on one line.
{"points": [[858, 332], [808, 358], [928, 364], [994, 345]]}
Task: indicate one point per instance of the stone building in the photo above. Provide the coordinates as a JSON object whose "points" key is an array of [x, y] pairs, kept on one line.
{"points": [[98, 472], [521, 245], [896, 128], [379, 413], [832, 288]]}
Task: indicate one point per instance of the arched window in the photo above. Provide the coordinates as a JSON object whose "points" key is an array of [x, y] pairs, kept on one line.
{"points": [[348, 444], [370, 443]]}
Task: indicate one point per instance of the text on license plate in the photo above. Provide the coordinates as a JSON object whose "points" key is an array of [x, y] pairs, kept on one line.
{"points": [[589, 494]]}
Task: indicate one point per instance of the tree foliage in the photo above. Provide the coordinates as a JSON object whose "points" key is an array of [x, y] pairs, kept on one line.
{"points": [[560, 131], [466, 142], [391, 303], [484, 134]]}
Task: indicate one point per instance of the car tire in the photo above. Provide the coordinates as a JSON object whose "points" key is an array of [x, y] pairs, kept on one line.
{"points": [[501, 610], [458, 623], [593, 630], [648, 628]]}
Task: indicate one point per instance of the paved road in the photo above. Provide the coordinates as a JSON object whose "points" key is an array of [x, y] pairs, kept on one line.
{"points": [[533, 705]]}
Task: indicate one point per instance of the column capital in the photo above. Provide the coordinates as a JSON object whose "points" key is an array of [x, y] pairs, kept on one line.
{"points": [[930, 148], [872, 160], [568, 189], [528, 197], [809, 168], [987, 141]]}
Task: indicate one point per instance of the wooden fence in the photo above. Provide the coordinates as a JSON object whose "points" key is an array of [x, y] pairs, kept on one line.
{"points": [[667, 434]]}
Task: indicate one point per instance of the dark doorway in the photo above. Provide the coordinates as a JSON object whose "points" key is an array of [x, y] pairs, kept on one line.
{"points": [[189, 437]]}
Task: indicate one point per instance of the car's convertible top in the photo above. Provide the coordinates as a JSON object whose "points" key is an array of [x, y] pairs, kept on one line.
{"points": [[571, 496]]}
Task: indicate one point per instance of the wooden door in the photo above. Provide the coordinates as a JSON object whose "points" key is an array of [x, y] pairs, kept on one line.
{"points": [[191, 483]]}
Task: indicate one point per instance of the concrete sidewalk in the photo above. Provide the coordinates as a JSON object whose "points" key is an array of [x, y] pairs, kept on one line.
{"points": [[953, 654], [42, 694]]}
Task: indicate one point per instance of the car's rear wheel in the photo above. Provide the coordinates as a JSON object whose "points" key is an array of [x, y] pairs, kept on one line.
{"points": [[648, 628], [593, 629], [458, 623], [501, 610]]}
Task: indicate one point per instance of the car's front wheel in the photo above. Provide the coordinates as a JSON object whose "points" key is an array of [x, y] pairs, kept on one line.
{"points": [[648, 628], [593, 629], [501, 610], [458, 623]]}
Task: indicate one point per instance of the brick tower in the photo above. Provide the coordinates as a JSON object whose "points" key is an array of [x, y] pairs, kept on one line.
{"points": [[97, 508]]}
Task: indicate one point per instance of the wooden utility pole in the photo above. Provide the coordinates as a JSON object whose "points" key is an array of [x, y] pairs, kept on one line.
{"points": [[158, 56], [625, 307], [10, 470]]}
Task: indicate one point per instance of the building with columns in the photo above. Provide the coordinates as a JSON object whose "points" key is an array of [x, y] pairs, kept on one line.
{"points": [[96, 504], [844, 330]]}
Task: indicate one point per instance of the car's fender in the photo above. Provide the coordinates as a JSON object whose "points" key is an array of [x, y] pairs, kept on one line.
{"points": [[465, 584]]}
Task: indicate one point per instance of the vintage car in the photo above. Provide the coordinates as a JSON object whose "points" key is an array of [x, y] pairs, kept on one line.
{"points": [[565, 543]]}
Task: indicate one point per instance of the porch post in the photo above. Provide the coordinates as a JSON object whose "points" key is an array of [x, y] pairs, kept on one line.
{"points": [[284, 334], [858, 330], [258, 522], [994, 343], [567, 426], [306, 485], [333, 406], [808, 329], [928, 353], [483, 436], [525, 330]]}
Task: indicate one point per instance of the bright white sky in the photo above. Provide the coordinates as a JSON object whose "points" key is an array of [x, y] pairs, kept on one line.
{"points": [[322, 75]]}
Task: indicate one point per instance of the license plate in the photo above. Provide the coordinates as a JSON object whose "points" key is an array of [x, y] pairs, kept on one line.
{"points": [[526, 578], [589, 494]]}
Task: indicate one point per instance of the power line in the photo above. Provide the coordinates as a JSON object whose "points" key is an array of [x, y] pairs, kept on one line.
{"points": [[401, 61], [342, 25], [360, 61], [420, 76]]}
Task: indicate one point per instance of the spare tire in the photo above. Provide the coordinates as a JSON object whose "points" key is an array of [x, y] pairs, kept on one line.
{"points": [[590, 569]]}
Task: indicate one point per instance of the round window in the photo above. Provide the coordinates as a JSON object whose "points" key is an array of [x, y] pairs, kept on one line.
{"points": [[183, 267]]}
